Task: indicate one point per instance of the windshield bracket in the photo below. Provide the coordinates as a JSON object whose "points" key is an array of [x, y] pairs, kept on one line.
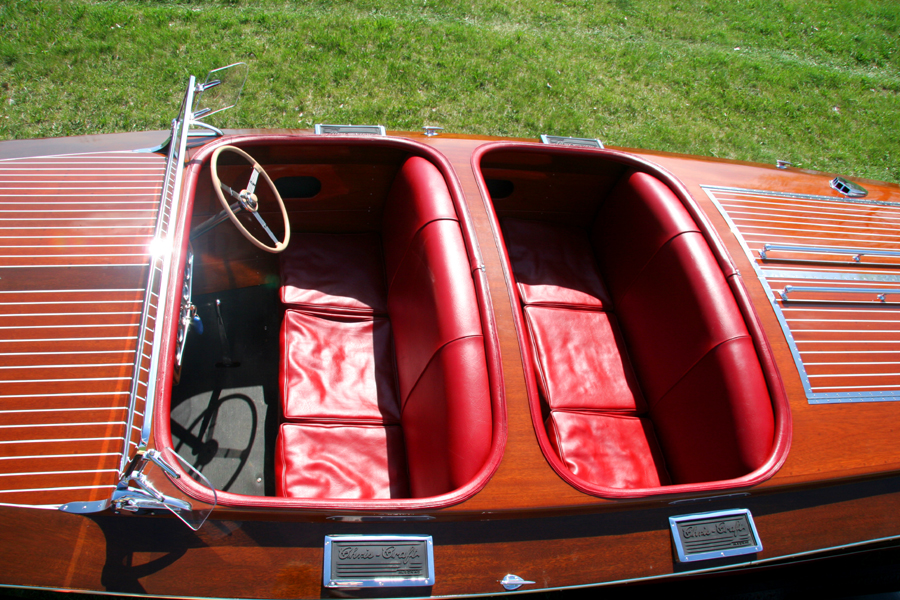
{"points": [[137, 492]]}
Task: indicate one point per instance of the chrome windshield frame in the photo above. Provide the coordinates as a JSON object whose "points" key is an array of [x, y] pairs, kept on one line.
{"points": [[160, 264]]}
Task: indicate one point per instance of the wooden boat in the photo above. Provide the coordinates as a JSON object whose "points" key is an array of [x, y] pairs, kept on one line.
{"points": [[434, 365]]}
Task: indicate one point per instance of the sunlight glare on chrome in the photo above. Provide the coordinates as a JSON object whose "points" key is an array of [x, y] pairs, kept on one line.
{"points": [[159, 247]]}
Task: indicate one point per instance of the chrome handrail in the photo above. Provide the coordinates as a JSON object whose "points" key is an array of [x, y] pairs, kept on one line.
{"points": [[880, 293], [856, 252]]}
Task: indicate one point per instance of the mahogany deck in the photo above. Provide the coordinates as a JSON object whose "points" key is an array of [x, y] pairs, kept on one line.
{"points": [[839, 306], [74, 232]]}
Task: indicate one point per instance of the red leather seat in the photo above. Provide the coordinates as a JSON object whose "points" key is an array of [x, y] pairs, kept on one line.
{"points": [[582, 361], [612, 450], [330, 460], [384, 382], [645, 364]]}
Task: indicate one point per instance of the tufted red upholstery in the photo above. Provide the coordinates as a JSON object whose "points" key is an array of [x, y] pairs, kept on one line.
{"points": [[384, 382], [658, 382]]}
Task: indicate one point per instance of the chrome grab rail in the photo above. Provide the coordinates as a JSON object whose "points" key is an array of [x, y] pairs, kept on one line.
{"points": [[880, 293], [856, 252]]}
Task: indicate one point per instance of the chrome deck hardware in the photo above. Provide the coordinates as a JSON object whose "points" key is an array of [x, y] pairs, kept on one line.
{"points": [[559, 140], [855, 253], [513, 582], [848, 188], [322, 129]]}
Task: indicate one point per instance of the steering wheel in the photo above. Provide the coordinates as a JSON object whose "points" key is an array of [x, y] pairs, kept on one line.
{"points": [[246, 200]]}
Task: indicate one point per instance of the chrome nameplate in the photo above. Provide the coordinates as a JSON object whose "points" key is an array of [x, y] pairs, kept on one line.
{"points": [[366, 561], [705, 536]]}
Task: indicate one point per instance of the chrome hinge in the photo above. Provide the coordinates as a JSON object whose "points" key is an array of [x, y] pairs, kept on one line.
{"points": [[135, 492]]}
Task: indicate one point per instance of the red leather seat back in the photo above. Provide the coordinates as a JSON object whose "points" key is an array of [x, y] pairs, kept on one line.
{"points": [[418, 196], [554, 265], [636, 219], [339, 273], [685, 333], [441, 369]]}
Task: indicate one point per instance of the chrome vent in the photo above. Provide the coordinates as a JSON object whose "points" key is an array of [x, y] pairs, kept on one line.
{"points": [[848, 188]]}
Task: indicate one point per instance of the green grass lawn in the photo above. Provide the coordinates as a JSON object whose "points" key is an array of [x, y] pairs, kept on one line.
{"points": [[816, 82]]}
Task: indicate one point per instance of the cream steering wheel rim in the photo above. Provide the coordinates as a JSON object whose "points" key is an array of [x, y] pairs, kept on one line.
{"points": [[247, 200]]}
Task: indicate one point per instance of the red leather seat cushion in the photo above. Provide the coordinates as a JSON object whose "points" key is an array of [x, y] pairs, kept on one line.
{"points": [[582, 361], [716, 422], [554, 264], [447, 419], [337, 369], [330, 272], [639, 216], [617, 451], [431, 300], [340, 461]]}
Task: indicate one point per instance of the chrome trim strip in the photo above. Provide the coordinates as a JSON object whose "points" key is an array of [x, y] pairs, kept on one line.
{"points": [[57, 489], [327, 129], [57, 440], [71, 291], [30, 425], [35, 473], [43, 456], [814, 207], [857, 253], [561, 140], [67, 409], [880, 293], [86, 339], [66, 395], [828, 275]]}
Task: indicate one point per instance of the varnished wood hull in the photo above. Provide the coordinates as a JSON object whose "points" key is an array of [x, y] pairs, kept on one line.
{"points": [[837, 489]]}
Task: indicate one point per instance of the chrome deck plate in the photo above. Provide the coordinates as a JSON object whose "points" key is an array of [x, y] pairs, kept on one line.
{"points": [[721, 534], [373, 561]]}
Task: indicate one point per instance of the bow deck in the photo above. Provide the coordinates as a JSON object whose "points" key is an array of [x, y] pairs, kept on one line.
{"points": [[74, 233]]}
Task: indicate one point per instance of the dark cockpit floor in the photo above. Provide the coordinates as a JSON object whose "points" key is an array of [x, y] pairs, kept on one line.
{"points": [[225, 409]]}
